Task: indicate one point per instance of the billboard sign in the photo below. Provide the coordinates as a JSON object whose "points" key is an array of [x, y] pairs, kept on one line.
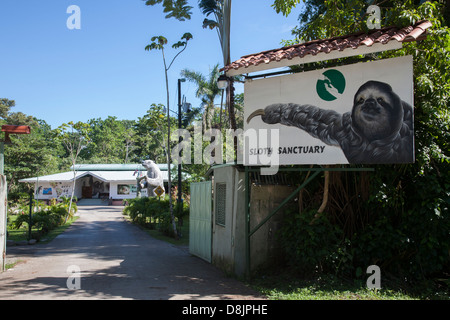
{"points": [[354, 114]]}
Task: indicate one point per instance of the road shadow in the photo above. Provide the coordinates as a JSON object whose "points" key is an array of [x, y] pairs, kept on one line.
{"points": [[117, 260]]}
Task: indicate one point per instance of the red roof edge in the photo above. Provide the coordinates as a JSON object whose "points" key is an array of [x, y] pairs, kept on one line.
{"points": [[415, 32]]}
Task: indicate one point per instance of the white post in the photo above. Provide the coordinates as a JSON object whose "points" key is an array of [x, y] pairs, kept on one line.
{"points": [[3, 220]]}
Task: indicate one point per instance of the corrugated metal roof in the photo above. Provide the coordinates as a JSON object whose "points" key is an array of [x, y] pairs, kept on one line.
{"points": [[354, 41], [104, 172], [115, 167], [114, 176], [63, 176]]}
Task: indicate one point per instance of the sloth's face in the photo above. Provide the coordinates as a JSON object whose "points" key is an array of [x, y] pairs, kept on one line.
{"points": [[147, 163], [376, 111]]}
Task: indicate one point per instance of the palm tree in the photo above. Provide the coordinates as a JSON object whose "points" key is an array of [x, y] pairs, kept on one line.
{"points": [[221, 10], [207, 91]]}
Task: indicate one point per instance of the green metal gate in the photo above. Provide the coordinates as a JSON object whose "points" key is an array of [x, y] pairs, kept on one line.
{"points": [[200, 235]]}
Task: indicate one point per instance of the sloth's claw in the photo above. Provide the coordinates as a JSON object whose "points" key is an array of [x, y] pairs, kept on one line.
{"points": [[259, 112]]}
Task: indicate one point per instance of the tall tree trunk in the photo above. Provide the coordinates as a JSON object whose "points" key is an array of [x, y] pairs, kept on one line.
{"points": [[73, 191], [325, 196], [232, 115], [230, 93], [174, 225]]}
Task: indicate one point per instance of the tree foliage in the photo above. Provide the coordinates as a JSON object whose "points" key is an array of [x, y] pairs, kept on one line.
{"points": [[5, 107], [27, 154], [221, 10], [397, 217], [285, 6], [110, 141], [159, 43], [178, 9], [151, 134], [74, 136], [207, 91]]}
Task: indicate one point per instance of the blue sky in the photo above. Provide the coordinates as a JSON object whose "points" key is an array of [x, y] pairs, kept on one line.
{"points": [[61, 75]]}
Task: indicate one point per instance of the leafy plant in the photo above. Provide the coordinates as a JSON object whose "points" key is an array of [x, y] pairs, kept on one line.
{"points": [[46, 218], [159, 43], [397, 217], [74, 137], [310, 247], [154, 213]]}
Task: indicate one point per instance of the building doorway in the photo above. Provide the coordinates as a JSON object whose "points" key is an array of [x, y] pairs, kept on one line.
{"points": [[86, 192]]}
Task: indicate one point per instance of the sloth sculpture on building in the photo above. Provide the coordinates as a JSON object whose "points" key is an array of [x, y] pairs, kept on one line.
{"points": [[379, 129]]}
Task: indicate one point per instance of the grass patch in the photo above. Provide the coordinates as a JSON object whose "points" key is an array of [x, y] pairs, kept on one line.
{"points": [[12, 264], [287, 286], [21, 234], [153, 215], [157, 234], [182, 241], [58, 230]]}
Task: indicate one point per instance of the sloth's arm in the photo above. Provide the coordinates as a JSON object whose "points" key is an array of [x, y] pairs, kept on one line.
{"points": [[154, 180], [325, 125]]}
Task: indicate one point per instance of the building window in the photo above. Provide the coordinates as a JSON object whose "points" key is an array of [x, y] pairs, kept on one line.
{"points": [[221, 192], [123, 189]]}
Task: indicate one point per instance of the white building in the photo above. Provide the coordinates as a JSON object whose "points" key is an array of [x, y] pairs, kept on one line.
{"points": [[98, 181]]}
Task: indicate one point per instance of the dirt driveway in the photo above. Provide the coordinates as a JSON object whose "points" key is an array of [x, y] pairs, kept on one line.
{"points": [[114, 260]]}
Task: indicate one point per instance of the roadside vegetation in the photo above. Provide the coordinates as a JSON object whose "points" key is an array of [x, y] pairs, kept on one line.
{"points": [[285, 285], [396, 217], [47, 221], [153, 215]]}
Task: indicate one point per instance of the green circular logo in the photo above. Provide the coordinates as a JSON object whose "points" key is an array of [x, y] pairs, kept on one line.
{"points": [[331, 86]]}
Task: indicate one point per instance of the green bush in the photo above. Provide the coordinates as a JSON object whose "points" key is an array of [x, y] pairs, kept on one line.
{"points": [[408, 238], [416, 247], [46, 218], [20, 220], [400, 218], [154, 213], [311, 243]]}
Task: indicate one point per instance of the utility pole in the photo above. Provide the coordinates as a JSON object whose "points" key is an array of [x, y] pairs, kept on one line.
{"points": [[180, 201]]}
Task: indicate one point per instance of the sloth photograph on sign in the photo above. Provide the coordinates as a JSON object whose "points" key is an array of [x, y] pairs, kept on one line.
{"points": [[354, 114]]}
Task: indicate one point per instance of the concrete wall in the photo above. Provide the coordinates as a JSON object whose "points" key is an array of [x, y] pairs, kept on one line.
{"points": [[264, 199], [125, 190], [47, 191], [228, 245], [224, 239], [239, 225], [221, 234], [116, 190]]}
